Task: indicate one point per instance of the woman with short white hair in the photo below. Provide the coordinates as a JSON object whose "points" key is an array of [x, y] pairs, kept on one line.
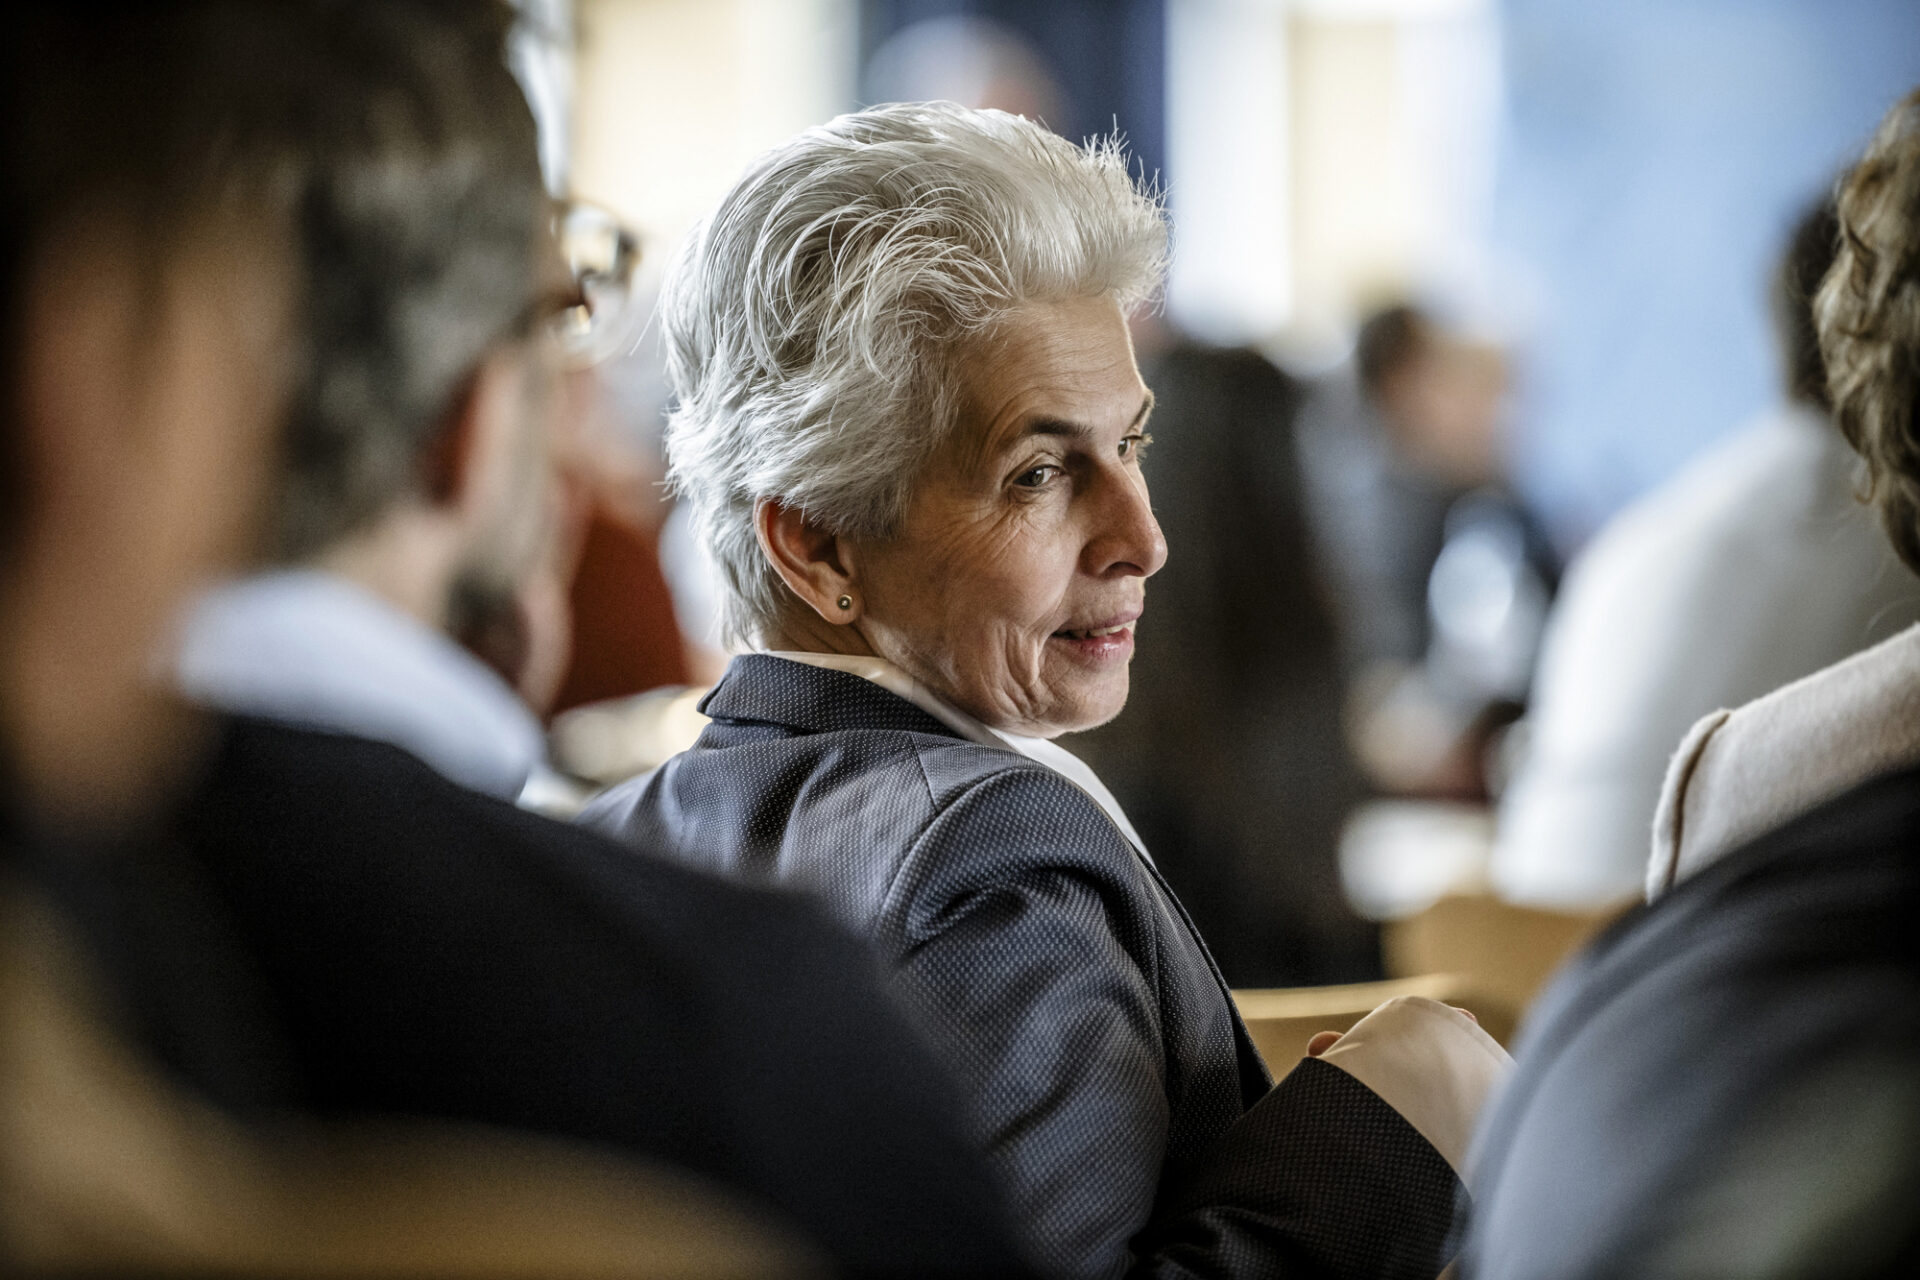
{"points": [[909, 428]]}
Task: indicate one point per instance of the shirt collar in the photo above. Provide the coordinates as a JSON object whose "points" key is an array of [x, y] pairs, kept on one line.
{"points": [[310, 649], [1055, 757]]}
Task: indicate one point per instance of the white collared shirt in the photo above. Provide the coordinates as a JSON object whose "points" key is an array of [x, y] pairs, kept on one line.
{"points": [[311, 649], [1055, 757]]}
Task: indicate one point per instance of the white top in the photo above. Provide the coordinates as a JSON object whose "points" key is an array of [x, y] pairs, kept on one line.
{"points": [[1432, 1064], [1055, 757], [1751, 568], [311, 649]]}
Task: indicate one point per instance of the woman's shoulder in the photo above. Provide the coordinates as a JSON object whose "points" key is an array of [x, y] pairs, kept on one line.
{"points": [[895, 783], [1001, 822], [967, 785], [1740, 773]]}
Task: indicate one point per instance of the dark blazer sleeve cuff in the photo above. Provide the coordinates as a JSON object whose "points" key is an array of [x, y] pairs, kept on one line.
{"points": [[1319, 1179]]}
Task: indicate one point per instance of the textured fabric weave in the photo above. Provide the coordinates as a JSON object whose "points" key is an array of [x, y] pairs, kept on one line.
{"points": [[1353, 1164], [1070, 992]]}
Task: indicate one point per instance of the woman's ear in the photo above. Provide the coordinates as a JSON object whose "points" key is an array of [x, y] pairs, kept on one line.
{"points": [[809, 559]]}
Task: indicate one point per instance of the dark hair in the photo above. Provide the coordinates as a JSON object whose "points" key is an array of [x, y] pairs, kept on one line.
{"points": [[1868, 313], [388, 141], [1809, 256], [1387, 340]]}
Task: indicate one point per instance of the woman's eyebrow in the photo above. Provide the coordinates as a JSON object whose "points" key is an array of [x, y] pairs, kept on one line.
{"points": [[1079, 430]]}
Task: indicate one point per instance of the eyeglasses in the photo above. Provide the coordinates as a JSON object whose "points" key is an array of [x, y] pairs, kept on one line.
{"points": [[599, 320]]}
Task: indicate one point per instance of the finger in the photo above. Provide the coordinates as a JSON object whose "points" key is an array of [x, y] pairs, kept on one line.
{"points": [[1321, 1042]]}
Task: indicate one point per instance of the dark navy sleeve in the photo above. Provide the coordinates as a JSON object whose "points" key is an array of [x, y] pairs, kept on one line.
{"points": [[1320, 1179], [1017, 945]]}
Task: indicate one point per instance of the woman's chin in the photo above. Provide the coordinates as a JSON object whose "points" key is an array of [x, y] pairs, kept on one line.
{"points": [[1086, 695]]}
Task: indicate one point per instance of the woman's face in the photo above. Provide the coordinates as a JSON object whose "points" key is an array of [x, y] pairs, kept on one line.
{"points": [[1014, 583]]}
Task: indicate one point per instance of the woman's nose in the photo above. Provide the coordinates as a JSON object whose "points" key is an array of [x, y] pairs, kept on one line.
{"points": [[1126, 540]]}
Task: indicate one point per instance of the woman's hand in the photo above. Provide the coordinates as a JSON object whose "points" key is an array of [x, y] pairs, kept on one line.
{"points": [[1325, 1040]]}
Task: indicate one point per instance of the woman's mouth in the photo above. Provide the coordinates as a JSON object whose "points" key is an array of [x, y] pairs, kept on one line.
{"points": [[1094, 633], [1108, 643]]}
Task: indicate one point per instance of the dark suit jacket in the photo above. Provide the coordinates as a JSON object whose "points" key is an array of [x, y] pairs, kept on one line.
{"points": [[416, 948], [1728, 1082], [1108, 1065]]}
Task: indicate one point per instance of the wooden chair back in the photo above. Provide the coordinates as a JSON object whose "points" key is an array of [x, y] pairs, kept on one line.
{"points": [[1502, 951]]}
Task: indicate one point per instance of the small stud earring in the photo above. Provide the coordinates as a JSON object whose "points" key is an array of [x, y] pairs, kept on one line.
{"points": [[845, 602]]}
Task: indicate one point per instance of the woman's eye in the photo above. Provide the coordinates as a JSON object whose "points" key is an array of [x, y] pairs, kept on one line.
{"points": [[1037, 477], [1130, 446]]}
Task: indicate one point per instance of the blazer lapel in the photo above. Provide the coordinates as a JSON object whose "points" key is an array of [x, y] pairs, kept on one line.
{"points": [[1255, 1078]]}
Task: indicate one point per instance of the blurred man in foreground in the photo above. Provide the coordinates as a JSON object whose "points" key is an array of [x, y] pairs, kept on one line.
{"points": [[303, 247]]}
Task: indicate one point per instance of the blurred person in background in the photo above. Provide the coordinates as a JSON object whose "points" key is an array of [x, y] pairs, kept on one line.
{"points": [[968, 59], [1741, 772], [595, 620], [1441, 576], [909, 428], [334, 920], [1753, 567], [1728, 1081]]}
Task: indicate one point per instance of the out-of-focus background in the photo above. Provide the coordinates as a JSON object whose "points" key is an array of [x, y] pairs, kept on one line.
{"points": [[1455, 282]]}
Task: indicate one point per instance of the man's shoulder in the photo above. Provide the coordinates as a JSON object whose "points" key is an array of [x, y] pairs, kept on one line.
{"points": [[319, 786], [870, 817], [1831, 886], [1711, 1019], [1738, 774], [932, 769], [361, 811], [440, 952]]}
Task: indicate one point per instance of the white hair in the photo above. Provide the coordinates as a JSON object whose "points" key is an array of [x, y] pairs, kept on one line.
{"points": [[812, 321]]}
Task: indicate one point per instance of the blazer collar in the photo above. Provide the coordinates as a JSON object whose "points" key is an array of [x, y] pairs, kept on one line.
{"points": [[759, 686]]}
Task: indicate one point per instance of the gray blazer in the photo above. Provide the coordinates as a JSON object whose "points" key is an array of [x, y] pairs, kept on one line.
{"points": [[1074, 998]]}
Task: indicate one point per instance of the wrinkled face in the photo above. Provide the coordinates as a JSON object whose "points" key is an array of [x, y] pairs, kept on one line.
{"points": [[1013, 585]]}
